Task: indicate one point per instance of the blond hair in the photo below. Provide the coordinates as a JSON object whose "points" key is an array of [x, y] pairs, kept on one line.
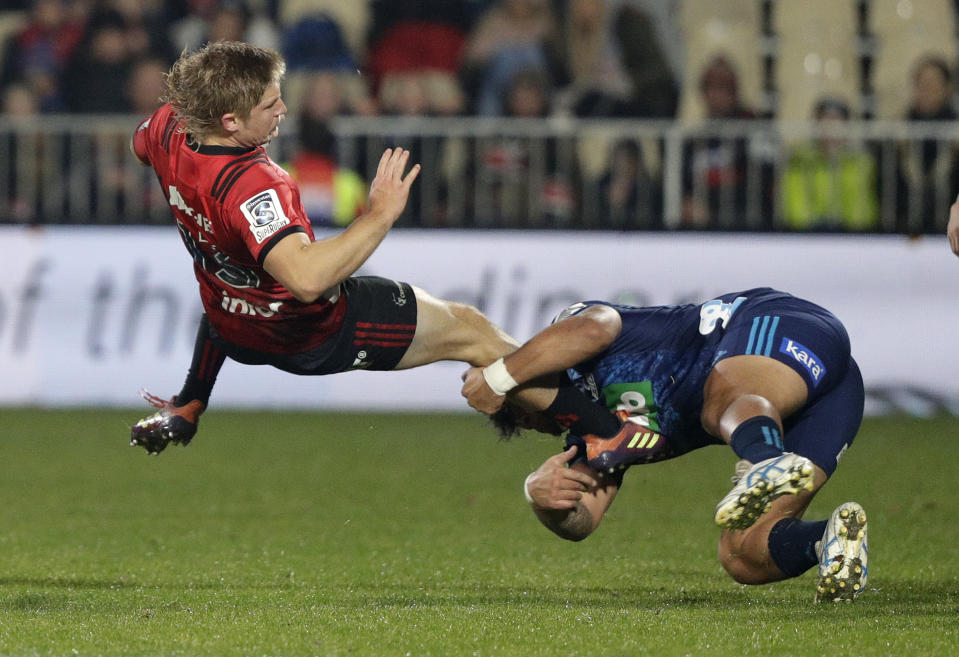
{"points": [[220, 78]]}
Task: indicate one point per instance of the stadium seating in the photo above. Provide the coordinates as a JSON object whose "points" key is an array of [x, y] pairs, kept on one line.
{"points": [[10, 24], [817, 55], [905, 31], [353, 18], [730, 27]]}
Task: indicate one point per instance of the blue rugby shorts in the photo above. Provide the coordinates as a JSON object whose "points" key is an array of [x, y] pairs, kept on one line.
{"points": [[814, 343]]}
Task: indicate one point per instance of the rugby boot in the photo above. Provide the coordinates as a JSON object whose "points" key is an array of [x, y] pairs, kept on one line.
{"points": [[633, 445], [170, 424], [755, 490], [843, 555]]}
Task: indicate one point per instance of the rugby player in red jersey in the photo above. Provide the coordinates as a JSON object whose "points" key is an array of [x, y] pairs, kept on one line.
{"points": [[271, 293]]}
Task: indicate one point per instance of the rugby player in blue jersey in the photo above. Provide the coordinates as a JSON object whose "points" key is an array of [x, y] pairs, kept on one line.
{"points": [[765, 372]]}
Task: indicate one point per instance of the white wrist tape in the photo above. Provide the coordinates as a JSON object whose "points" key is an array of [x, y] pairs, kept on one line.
{"points": [[498, 377], [529, 498]]}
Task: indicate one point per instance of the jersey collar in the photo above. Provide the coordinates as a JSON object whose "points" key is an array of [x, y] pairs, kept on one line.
{"points": [[215, 149], [225, 150]]}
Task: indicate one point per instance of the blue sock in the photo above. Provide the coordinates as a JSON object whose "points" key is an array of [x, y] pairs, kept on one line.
{"points": [[757, 439], [792, 544]]}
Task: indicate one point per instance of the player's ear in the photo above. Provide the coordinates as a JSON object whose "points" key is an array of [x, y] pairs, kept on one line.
{"points": [[230, 122]]}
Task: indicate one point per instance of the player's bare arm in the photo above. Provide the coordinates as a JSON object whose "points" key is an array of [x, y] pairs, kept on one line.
{"points": [[308, 269], [556, 348], [569, 500], [952, 228]]}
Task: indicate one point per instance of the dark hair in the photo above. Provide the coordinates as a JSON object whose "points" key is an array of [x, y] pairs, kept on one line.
{"points": [[719, 71], [831, 104], [504, 420], [629, 147]]}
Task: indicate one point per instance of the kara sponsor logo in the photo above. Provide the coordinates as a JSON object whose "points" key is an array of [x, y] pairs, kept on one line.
{"points": [[805, 356], [265, 214], [244, 307]]}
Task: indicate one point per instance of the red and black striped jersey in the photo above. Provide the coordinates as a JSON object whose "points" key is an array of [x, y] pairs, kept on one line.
{"points": [[231, 206]]}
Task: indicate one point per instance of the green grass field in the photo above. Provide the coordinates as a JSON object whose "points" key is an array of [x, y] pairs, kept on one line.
{"points": [[336, 534]]}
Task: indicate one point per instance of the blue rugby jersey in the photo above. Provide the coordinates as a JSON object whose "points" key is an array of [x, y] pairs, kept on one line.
{"points": [[657, 367]]}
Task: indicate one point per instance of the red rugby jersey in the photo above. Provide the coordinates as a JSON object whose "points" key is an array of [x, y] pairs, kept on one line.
{"points": [[232, 205]]}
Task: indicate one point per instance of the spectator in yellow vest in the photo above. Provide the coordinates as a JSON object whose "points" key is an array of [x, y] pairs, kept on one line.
{"points": [[830, 184]]}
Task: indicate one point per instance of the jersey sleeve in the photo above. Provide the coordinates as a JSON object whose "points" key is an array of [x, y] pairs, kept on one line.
{"points": [[265, 217], [147, 134]]}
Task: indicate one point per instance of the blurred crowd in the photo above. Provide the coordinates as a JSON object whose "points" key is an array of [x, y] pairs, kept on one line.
{"points": [[449, 57], [620, 59]]}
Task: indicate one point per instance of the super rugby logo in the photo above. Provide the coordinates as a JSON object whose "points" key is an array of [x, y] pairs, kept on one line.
{"points": [[805, 357], [265, 214]]}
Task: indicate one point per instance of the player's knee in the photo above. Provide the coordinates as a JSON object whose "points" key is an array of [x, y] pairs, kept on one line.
{"points": [[466, 317], [721, 414], [465, 313], [484, 342]]}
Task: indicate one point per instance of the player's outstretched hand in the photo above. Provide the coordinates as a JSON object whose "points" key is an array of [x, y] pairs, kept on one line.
{"points": [[478, 393], [554, 485], [952, 229], [390, 189]]}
